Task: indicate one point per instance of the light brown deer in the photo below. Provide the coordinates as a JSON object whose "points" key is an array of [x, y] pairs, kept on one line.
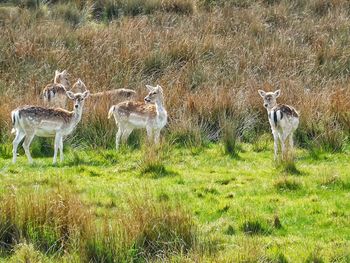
{"points": [[284, 120], [150, 115], [31, 121], [54, 94]]}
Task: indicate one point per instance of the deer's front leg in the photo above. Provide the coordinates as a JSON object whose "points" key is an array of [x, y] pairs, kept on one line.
{"points": [[57, 143], [156, 136], [149, 133], [275, 144], [61, 148]]}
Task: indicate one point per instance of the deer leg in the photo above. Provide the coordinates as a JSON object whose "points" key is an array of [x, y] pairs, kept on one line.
{"points": [[283, 138], [56, 147], [156, 136], [27, 141], [118, 136], [149, 133], [19, 137], [291, 143], [60, 146], [126, 134], [275, 144]]}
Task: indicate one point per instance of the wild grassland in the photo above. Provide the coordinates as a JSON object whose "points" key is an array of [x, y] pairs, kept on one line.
{"points": [[197, 205], [210, 56], [211, 192]]}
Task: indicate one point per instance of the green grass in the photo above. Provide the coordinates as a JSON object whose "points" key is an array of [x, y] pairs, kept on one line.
{"points": [[247, 209]]}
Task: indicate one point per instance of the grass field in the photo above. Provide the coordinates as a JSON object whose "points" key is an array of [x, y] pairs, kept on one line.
{"points": [[210, 192], [244, 209]]}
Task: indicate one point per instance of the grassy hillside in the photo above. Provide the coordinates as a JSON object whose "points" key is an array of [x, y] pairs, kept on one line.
{"points": [[211, 57], [210, 192]]}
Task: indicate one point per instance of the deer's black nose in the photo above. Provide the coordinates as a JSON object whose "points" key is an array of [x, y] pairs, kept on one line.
{"points": [[76, 106]]}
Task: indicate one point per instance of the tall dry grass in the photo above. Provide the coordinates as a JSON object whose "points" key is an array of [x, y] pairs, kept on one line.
{"points": [[210, 60], [56, 223]]}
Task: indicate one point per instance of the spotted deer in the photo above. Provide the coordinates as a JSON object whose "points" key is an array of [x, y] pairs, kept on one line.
{"points": [[284, 120], [31, 121], [54, 94], [149, 114]]}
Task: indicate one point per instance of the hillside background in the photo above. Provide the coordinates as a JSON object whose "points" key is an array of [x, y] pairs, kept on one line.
{"points": [[210, 56]]}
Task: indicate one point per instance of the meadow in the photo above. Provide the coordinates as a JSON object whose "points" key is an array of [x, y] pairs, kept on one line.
{"points": [[210, 192]]}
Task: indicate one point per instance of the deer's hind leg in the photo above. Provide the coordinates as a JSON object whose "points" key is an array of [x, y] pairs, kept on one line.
{"points": [[26, 144], [19, 137], [118, 136]]}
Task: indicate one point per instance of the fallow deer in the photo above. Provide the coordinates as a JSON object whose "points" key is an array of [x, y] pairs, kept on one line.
{"points": [[54, 94], [30, 121], [150, 114], [284, 120]]}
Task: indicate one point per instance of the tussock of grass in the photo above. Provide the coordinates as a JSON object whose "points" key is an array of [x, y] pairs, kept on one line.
{"points": [[334, 182], [287, 184], [152, 162], [57, 222], [230, 230], [48, 220], [255, 227], [26, 253]]}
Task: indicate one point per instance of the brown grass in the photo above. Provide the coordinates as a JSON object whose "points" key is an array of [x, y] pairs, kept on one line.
{"points": [[210, 62]]}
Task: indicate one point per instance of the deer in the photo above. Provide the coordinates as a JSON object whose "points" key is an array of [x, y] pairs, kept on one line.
{"points": [[54, 94], [283, 119], [31, 121], [149, 114]]}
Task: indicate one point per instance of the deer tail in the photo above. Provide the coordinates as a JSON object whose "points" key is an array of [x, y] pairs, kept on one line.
{"points": [[111, 111]]}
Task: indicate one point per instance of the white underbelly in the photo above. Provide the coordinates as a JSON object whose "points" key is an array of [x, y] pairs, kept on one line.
{"points": [[137, 121], [42, 132]]}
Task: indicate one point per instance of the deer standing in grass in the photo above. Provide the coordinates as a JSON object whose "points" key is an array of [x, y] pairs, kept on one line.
{"points": [[30, 121], [150, 114], [284, 120], [54, 94]]}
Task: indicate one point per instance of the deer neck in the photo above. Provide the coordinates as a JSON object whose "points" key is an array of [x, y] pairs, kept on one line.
{"points": [[269, 109], [160, 107], [77, 114]]}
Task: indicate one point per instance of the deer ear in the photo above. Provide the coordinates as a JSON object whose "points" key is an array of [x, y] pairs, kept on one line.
{"points": [[70, 95], [277, 93], [262, 93], [150, 88], [86, 94], [159, 88]]}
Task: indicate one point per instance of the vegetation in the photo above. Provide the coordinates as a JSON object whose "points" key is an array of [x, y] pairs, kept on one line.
{"points": [[103, 206], [210, 192]]}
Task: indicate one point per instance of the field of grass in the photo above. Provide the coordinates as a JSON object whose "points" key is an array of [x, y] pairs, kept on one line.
{"points": [[210, 192], [243, 209]]}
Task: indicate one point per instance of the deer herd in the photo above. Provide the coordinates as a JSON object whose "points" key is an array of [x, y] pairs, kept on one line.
{"points": [[54, 120]]}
